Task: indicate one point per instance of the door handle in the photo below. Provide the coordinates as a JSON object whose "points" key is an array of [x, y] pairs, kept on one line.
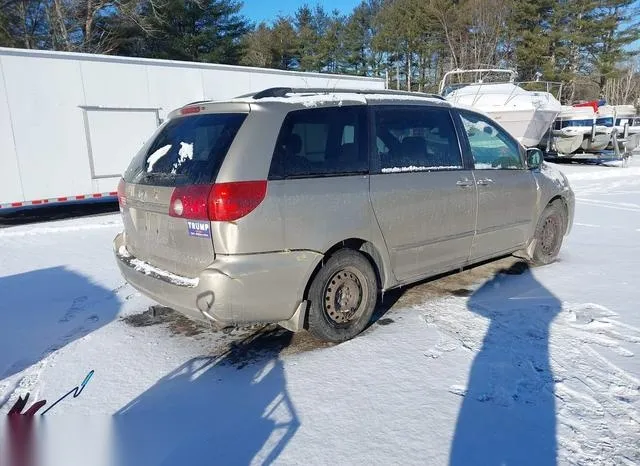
{"points": [[485, 181], [464, 183]]}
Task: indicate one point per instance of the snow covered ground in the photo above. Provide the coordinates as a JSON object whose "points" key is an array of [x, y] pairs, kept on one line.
{"points": [[498, 365]]}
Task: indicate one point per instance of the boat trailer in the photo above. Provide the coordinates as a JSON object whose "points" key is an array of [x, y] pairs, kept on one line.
{"points": [[595, 157]]}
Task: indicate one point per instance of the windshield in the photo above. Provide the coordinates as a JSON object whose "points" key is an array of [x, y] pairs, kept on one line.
{"points": [[559, 124]]}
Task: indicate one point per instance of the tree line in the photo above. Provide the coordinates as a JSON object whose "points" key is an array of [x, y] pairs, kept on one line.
{"points": [[590, 45]]}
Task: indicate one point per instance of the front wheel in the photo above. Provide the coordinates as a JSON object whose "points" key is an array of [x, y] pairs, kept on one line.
{"points": [[547, 238], [343, 296]]}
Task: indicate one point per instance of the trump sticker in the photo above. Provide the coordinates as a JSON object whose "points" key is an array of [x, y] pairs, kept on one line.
{"points": [[199, 229]]}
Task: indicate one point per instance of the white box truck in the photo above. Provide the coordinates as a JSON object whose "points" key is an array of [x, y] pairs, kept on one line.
{"points": [[70, 122]]}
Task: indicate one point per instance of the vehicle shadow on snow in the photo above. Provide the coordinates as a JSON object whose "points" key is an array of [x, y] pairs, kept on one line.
{"points": [[508, 415], [43, 310], [226, 409]]}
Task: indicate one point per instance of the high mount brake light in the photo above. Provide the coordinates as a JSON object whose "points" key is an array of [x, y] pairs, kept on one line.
{"points": [[190, 110]]}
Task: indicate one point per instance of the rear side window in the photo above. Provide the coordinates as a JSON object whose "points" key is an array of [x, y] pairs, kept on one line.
{"points": [[416, 139], [188, 150], [321, 142]]}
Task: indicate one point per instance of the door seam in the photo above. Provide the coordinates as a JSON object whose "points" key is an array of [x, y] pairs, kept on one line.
{"points": [[377, 222], [475, 224]]}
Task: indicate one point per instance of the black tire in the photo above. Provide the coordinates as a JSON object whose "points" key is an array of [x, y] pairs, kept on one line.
{"points": [[549, 233], [342, 297]]}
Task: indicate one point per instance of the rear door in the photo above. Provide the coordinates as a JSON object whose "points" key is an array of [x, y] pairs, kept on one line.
{"points": [[422, 191], [321, 162], [506, 189], [185, 155]]}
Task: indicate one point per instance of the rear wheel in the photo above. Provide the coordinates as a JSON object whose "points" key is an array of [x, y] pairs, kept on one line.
{"points": [[548, 235], [343, 296]]}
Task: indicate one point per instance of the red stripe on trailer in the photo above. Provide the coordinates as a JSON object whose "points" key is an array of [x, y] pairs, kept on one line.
{"points": [[54, 200]]}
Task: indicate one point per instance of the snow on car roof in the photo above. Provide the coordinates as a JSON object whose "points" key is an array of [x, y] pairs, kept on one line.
{"points": [[314, 99]]}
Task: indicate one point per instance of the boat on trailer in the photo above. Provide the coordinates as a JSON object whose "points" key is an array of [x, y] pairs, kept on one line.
{"points": [[627, 125], [526, 114], [570, 130], [593, 131], [603, 129]]}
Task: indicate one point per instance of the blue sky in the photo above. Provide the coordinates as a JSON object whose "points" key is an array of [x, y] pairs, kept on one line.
{"points": [[268, 10]]}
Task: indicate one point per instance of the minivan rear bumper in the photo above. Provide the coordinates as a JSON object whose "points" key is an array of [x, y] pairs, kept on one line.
{"points": [[235, 289]]}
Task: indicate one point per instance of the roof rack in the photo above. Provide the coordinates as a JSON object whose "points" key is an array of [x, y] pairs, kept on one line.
{"points": [[283, 91]]}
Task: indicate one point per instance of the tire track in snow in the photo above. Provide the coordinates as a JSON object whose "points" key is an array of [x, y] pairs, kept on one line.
{"points": [[609, 205], [598, 397], [597, 416]]}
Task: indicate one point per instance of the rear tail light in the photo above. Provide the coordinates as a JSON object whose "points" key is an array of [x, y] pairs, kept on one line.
{"points": [[221, 202], [122, 198], [190, 202], [231, 201]]}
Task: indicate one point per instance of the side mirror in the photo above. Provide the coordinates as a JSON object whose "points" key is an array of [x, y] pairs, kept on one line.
{"points": [[534, 158]]}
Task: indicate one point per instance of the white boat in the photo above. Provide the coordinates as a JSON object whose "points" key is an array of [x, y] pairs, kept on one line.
{"points": [[603, 129], [627, 125], [527, 115], [572, 127], [623, 112]]}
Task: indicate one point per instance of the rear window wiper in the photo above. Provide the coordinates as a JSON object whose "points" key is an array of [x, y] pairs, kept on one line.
{"points": [[170, 179], [161, 176]]}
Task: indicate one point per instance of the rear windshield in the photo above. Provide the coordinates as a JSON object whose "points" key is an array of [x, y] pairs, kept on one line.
{"points": [[188, 150]]}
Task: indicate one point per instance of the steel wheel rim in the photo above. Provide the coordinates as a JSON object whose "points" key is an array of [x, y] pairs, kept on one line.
{"points": [[345, 296], [549, 234]]}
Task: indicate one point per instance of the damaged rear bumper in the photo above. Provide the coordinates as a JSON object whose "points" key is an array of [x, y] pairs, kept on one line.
{"points": [[235, 289]]}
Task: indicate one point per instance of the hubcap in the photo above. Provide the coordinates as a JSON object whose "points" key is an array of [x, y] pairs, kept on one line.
{"points": [[343, 296], [549, 234]]}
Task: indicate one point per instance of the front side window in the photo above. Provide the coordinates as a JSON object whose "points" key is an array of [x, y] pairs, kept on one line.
{"points": [[321, 142], [416, 139], [491, 146]]}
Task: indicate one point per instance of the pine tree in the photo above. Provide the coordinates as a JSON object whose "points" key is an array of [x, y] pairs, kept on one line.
{"points": [[193, 30], [615, 27], [358, 35], [330, 46], [284, 44], [531, 24], [307, 37], [258, 50]]}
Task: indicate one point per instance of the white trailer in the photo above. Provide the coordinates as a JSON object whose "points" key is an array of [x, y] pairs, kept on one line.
{"points": [[70, 123]]}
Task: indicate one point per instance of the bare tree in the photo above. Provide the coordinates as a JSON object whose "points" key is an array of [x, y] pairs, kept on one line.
{"points": [[485, 22], [624, 89], [73, 25], [474, 30]]}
